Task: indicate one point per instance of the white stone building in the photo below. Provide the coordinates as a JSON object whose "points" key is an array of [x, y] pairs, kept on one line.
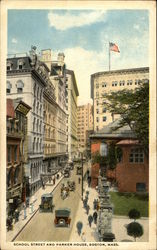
{"points": [[27, 78], [109, 81]]}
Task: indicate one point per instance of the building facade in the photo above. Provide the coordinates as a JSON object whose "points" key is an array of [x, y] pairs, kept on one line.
{"points": [[16, 153], [111, 81], [56, 110], [84, 123], [131, 173], [26, 78], [72, 94]]}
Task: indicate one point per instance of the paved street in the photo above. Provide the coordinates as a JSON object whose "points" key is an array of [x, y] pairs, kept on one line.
{"points": [[42, 228]]}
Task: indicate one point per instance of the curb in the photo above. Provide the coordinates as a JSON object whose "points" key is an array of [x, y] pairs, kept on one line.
{"points": [[33, 214]]}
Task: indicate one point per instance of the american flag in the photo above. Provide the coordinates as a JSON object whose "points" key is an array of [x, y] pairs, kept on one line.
{"points": [[114, 47]]}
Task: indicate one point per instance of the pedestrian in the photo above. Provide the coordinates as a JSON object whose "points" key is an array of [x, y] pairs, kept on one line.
{"points": [[90, 219], [98, 206], [83, 237], [16, 215], [24, 211], [79, 180], [95, 215], [87, 208]]}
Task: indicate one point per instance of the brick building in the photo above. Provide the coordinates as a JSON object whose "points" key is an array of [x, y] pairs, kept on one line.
{"points": [[132, 170], [16, 152]]}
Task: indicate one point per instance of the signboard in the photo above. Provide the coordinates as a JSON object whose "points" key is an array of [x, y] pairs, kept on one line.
{"points": [[11, 201], [22, 108]]}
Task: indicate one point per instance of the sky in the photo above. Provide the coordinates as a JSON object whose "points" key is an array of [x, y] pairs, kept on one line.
{"points": [[83, 36]]}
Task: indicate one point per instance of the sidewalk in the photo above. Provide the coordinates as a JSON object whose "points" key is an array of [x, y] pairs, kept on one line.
{"points": [[18, 226], [118, 224]]}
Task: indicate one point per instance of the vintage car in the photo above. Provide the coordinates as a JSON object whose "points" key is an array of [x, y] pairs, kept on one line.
{"points": [[46, 203], [71, 185], [79, 170], [62, 217]]}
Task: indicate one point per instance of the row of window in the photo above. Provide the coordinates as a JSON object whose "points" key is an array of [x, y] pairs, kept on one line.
{"points": [[122, 83], [20, 64], [104, 119], [103, 110], [19, 86]]}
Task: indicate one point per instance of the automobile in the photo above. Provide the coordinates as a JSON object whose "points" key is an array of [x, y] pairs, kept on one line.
{"points": [[62, 217], [46, 203]]}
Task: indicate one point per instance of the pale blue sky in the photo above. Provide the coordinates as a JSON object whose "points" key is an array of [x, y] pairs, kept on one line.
{"points": [[83, 36]]}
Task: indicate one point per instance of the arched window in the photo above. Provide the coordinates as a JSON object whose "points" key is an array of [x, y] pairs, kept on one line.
{"points": [[9, 65], [9, 86], [20, 86], [20, 64]]}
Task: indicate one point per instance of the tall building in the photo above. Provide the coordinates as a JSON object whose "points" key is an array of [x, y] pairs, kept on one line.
{"points": [[72, 94], [55, 111], [111, 81], [27, 78], [84, 123]]}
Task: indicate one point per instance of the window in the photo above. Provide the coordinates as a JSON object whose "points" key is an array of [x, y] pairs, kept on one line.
{"points": [[97, 85], [9, 86], [9, 153], [15, 153], [141, 187], [9, 178], [16, 175], [97, 119], [97, 94], [136, 155], [104, 84], [104, 110], [103, 149], [97, 111], [21, 64], [104, 118], [129, 82], [9, 65], [20, 86]]}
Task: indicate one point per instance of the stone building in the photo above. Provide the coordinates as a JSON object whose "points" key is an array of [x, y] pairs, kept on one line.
{"points": [[17, 112], [71, 99], [55, 111], [109, 81], [84, 123], [26, 78]]}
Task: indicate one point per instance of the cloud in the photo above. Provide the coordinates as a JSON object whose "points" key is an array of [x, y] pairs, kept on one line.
{"points": [[14, 40], [83, 63], [69, 20]]}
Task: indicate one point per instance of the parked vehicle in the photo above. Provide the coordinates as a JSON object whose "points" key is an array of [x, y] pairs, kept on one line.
{"points": [[62, 217], [46, 203]]}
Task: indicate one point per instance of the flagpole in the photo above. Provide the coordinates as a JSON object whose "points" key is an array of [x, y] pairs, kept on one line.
{"points": [[109, 56]]}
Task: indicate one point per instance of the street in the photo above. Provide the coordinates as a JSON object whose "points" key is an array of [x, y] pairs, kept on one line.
{"points": [[42, 228]]}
